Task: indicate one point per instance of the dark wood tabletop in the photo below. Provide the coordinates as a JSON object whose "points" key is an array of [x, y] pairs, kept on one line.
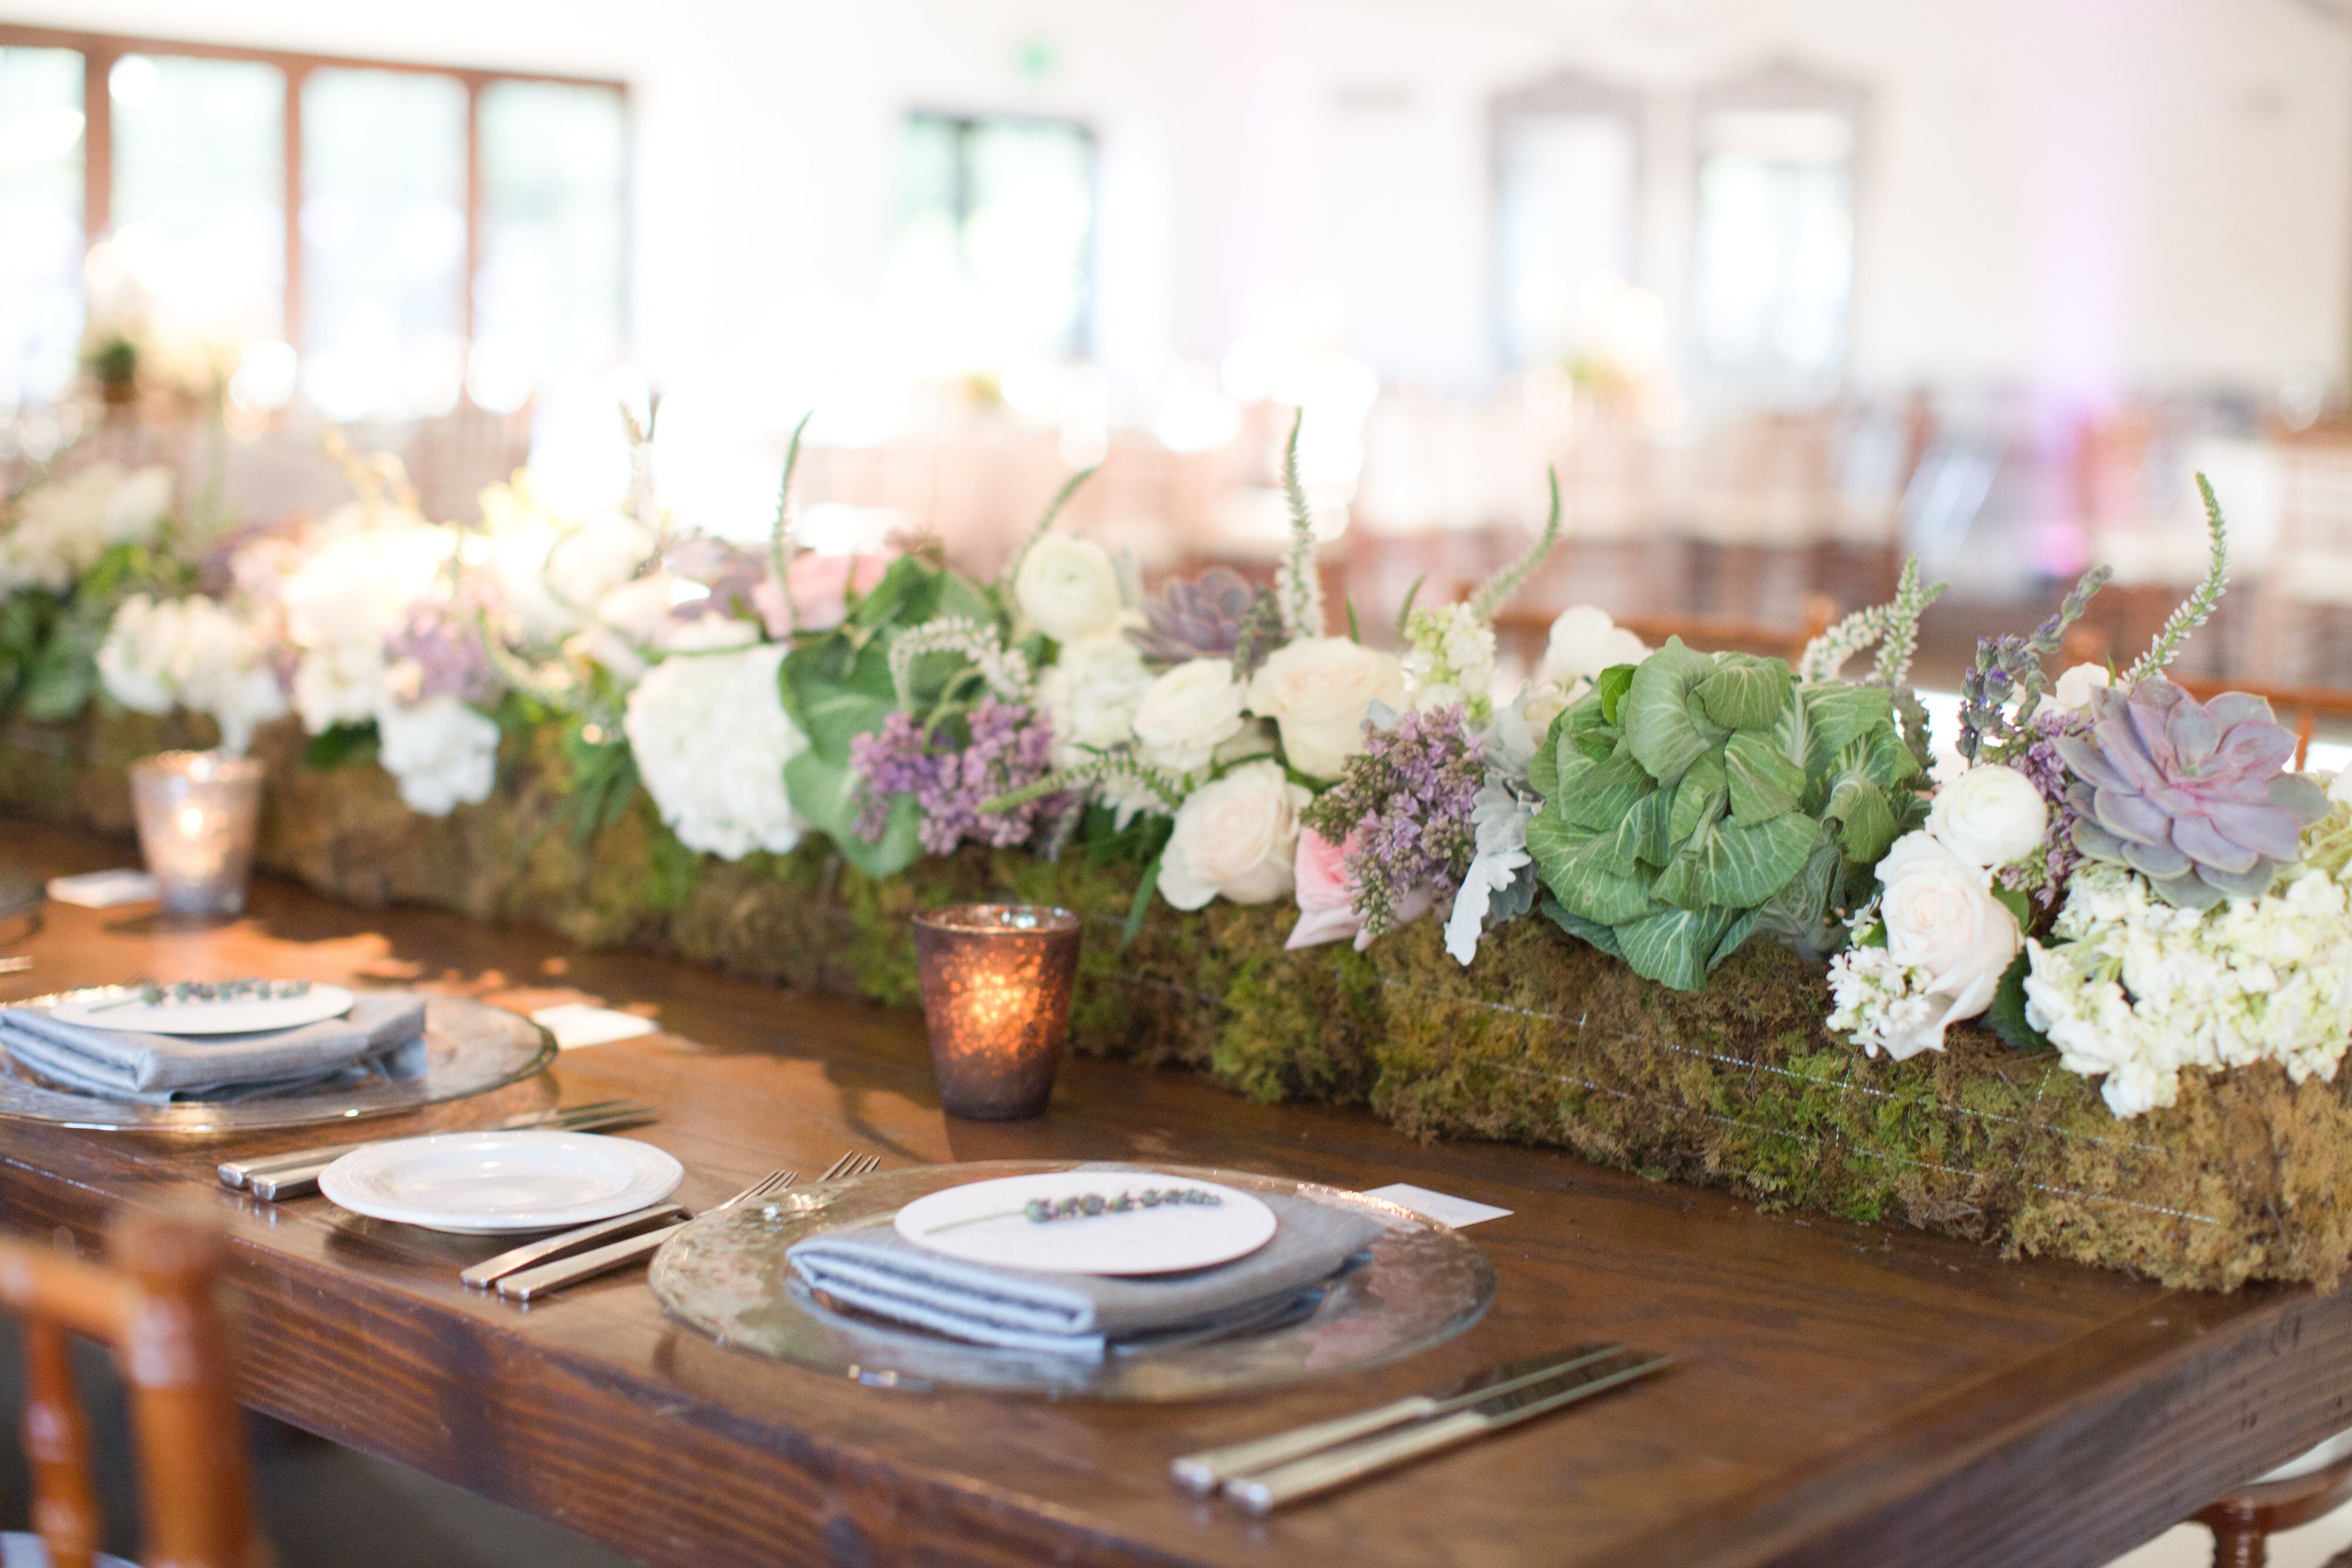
{"points": [[1847, 1394]]}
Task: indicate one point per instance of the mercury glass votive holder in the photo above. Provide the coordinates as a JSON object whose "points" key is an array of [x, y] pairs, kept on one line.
{"points": [[197, 811], [996, 994]]}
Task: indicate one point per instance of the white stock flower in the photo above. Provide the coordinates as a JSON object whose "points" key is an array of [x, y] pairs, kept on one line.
{"points": [[1943, 920], [2074, 689], [1092, 693], [192, 654], [62, 528], [1989, 816], [1235, 836], [1187, 714], [1317, 691], [711, 739], [442, 753], [1067, 587], [1449, 657]]}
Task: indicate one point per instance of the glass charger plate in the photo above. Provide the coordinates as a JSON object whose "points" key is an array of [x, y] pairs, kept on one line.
{"points": [[725, 1274], [471, 1048]]}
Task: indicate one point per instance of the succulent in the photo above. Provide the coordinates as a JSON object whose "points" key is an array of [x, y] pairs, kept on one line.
{"points": [[1219, 615], [2192, 796], [1695, 800]]}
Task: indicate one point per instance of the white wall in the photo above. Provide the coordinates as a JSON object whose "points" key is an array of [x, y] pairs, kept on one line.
{"points": [[2091, 195]]}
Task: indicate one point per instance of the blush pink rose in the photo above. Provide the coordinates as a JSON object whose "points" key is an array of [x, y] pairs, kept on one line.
{"points": [[1324, 896], [820, 589]]}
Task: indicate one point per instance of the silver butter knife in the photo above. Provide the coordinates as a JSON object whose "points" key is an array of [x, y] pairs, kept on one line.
{"points": [[1267, 1491], [490, 1270], [1204, 1471], [234, 1173], [301, 1181]]}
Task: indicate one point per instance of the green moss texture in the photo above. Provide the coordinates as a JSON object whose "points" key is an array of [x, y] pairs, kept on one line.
{"points": [[1544, 1040]]}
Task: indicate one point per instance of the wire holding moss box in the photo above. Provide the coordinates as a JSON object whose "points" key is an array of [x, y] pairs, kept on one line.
{"points": [[1542, 1040]]}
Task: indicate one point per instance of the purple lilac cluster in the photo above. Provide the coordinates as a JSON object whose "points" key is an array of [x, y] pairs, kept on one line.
{"points": [[2039, 760], [438, 652], [1403, 807], [1010, 748]]}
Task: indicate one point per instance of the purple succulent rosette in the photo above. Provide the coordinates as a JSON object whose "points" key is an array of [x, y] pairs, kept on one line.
{"points": [[1403, 806], [2192, 796], [1219, 615], [1010, 748]]}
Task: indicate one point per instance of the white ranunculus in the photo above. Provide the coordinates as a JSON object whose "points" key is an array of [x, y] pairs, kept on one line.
{"points": [[1187, 714], [711, 739], [442, 753], [1092, 693], [1584, 643], [1067, 587], [2074, 690], [1316, 690], [1989, 816], [1941, 916], [1237, 836]]}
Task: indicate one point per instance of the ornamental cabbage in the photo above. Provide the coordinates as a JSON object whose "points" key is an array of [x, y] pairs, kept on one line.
{"points": [[1695, 800]]}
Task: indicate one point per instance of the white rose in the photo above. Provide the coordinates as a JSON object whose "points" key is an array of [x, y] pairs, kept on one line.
{"points": [[1067, 587], [1989, 816], [1188, 713], [1318, 690], [1941, 916], [2074, 687], [1584, 643], [1238, 837], [1093, 692]]}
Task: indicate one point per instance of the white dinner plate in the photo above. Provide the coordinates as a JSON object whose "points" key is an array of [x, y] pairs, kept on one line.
{"points": [[986, 1222], [113, 1007], [480, 1183]]}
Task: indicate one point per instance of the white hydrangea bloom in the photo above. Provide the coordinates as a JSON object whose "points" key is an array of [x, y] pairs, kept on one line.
{"points": [[1449, 658], [193, 654], [63, 526], [442, 753], [711, 739], [2136, 989], [347, 595]]}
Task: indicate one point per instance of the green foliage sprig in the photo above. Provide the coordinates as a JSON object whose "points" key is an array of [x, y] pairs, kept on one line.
{"points": [[2009, 669], [1498, 589], [1893, 626], [1297, 585], [2197, 608]]}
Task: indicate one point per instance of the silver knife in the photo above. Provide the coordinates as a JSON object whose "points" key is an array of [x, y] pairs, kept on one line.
{"points": [[490, 1271], [1267, 1491], [234, 1173], [301, 1181], [1202, 1472], [522, 1286]]}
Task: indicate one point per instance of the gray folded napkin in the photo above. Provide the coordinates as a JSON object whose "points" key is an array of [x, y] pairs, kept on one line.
{"points": [[874, 1269], [384, 1030]]}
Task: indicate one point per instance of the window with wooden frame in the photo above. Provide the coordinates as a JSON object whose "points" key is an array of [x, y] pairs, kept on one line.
{"points": [[381, 237]]}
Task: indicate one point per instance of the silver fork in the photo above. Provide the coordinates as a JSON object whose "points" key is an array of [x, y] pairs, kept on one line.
{"points": [[527, 1283]]}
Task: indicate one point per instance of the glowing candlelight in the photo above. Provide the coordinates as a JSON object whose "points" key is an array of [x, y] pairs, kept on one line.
{"points": [[996, 994], [197, 811]]}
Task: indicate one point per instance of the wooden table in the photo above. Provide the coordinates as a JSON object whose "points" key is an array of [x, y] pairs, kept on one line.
{"points": [[1849, 1394]]}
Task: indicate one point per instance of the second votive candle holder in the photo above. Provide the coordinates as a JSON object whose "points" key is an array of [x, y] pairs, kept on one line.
{"points": [[996, 995], [197, 813]]}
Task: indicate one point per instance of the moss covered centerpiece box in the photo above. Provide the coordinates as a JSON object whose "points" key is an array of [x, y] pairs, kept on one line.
{"points": [[1702, 916]]}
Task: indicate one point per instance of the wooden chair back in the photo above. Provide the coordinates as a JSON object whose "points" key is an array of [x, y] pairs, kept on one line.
{"points": [[155, 1305]]}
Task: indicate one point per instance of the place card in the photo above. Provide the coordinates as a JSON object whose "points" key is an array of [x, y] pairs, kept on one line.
{"points": [[1444, 1207], [576, 1024], [103, 889]]}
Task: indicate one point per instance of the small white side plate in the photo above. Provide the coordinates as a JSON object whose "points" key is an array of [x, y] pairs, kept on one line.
{"points": [[478, 1184], [105, 1008], [1159, 1240]]}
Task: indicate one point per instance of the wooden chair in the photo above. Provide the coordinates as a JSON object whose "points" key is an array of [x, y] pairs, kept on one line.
{"points": [[2243, 1522], [155, 1305]]}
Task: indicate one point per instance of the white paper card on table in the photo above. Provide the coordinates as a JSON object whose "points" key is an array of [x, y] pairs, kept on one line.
{"points": [[576, 1024], [103, 889], [1444, 1207]]}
